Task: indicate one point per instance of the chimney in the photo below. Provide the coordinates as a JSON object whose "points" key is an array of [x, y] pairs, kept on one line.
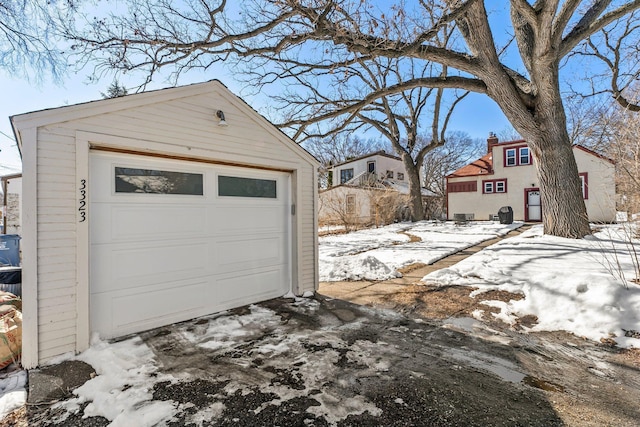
{"points": [[491, 141]]}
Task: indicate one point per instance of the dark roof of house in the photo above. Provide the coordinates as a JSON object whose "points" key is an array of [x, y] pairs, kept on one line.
{"points": [[482, 166], [377, 153]]}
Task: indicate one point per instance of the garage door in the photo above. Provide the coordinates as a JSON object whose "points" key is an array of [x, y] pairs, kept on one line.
{"points": [[173, 240]]}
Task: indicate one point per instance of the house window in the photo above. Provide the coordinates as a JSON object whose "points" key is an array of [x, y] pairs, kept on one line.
{"points": [[584, 184], [400, 176], [351, 204], [494, 186], [246, 187], [390, 174], [346, 175], [371, 167], [462, 187], [133, 180], [517, 156]]}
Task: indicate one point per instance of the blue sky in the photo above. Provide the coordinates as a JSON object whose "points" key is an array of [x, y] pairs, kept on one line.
{"points": [[477, 115]]}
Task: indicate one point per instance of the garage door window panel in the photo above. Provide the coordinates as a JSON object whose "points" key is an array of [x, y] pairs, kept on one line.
{"points": [[134, 180], [234, 186]]}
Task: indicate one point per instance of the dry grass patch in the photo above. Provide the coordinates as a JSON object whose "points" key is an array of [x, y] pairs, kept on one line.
{"points": [[442, 302]]}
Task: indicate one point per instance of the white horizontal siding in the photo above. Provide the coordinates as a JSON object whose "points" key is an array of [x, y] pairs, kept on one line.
{"points": [[308, 249], [57, 342], [61, 317], [60, 324], [170, 123], [56, 242], [51, 248]]}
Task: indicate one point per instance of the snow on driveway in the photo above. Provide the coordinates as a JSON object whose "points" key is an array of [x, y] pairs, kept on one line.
{"points": [[316, 362], [378, 253], [569, 284]]}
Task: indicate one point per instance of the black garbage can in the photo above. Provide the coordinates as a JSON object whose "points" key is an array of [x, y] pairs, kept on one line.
{"points": [[506, 215]]}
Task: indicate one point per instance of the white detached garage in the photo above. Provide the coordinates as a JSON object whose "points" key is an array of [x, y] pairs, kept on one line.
{"points": [[146, 210]]}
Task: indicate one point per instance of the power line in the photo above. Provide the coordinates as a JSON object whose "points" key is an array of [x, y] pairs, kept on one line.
{"points": [[7, 136]]}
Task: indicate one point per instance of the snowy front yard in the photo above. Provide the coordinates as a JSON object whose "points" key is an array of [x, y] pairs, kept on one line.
{"points": [[378, 253], [571, 285]]}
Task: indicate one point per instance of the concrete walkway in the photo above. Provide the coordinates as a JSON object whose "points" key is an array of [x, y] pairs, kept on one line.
{"points": [[373, 292]]}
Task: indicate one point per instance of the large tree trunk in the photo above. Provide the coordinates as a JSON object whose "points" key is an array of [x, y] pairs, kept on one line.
{"points": [[535, 109], [563, 209], [416, 208], [564, 213]]}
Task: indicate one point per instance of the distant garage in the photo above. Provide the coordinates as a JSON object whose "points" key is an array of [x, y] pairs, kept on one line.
{"points": [[155, 208]]}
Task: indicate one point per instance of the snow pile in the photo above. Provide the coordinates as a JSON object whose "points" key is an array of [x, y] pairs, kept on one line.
{"points": [[377, 254], [121, 392], [128, 371], [13, 393], [571, 285], [224, 332]]}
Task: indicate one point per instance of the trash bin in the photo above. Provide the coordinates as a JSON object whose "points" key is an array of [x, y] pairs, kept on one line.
{"points": [[506, 215], [9, 250]]}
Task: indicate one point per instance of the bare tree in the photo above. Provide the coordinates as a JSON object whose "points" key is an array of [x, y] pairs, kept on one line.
{"points": [[592, 123], [386, 205], [331, 34], [618, 49], [27, 32], [396, 117], [614, 132], [339, 148], [341, 208], [508, 134], [459, 150], [626, 152]]}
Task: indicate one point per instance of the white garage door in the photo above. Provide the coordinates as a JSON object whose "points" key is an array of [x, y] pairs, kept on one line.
{"points": [[174, 240]]}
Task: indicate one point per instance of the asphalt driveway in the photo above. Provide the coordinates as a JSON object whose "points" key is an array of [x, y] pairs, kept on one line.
{"points": [[303, 362]]}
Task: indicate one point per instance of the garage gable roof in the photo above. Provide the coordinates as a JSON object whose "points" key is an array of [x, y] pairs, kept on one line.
{"points": [[67, 113]]}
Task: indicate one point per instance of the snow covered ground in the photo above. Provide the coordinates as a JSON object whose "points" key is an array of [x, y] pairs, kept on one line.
{"points": [[581, 286], [13, 392], [570, 285], [378, 253]]}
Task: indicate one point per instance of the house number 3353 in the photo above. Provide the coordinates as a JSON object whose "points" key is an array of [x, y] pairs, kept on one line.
{"points": [[82, 208]]}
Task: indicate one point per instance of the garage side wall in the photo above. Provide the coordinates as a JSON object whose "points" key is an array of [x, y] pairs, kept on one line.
{"points": [[183, 127], [56, 224]]}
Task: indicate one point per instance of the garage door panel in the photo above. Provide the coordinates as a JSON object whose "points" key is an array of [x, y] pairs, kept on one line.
{"points": [[249, 288], [133, 310], [160, 258], [123, 266], [243, 220], [134, 223], [245, 253]]}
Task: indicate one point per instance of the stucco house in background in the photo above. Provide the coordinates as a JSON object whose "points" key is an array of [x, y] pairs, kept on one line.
{"points": [[11, 203], [370, 189], [372, 166], [506, 176], [158, 207]]}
